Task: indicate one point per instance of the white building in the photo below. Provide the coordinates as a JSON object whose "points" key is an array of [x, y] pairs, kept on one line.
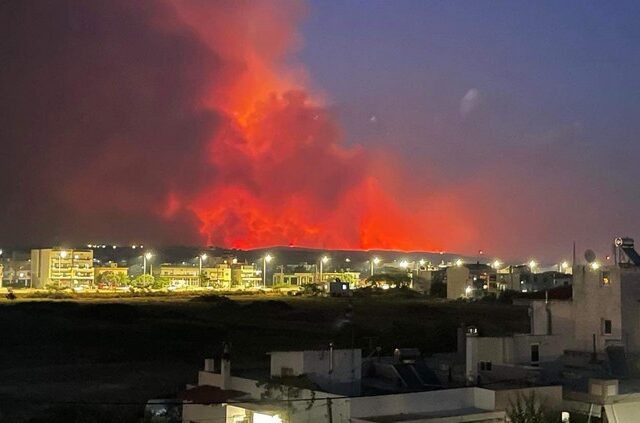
{"points": [[282, 399], [590, 323]]}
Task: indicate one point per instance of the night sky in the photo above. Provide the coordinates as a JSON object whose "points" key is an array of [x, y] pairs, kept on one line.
{"points": [[510, 127]]}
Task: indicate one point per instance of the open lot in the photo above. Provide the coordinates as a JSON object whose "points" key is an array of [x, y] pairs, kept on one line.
{"points": [[113, 354]]}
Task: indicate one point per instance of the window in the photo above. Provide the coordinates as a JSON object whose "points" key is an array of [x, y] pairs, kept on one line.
{"points": [[535, 354], [606, 327], [286, 371], [485, 366], [606, 278]]}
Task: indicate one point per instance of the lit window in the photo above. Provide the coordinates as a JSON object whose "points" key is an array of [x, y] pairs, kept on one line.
{"points": [[606, 280]]}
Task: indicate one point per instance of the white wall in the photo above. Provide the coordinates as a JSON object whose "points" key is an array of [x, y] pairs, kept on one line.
{"points": [[549, 397], [199, 413], [422, 402], [457, 281], [630, 291], [293, 360], [337, 371], [593, 302]]}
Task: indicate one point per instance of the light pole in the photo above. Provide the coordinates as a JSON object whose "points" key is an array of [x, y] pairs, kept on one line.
{"points": [[374, 262], [265, 260], [202, 257], [323, 261], [146, 256], [63, 254]]}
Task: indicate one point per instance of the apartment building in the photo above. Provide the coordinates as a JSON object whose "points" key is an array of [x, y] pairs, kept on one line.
{"points": [[181, 274], [303, 278], [218, 276], [61, 267], [245, 275]]}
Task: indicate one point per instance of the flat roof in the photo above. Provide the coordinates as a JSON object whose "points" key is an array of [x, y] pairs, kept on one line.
{"points": [[434, 415]]}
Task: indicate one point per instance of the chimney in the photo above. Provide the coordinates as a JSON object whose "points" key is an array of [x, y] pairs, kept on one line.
{"points": [[225, 368]]}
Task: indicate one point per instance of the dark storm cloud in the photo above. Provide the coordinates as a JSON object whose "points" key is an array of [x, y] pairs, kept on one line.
{"points": [[99, 121]]}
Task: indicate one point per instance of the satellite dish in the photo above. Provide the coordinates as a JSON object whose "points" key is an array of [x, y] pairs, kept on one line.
{"points": [[590, 256]]}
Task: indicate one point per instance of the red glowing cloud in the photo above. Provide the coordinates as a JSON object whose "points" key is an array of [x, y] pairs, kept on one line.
{"points": [[190, 121], [283, 172]]}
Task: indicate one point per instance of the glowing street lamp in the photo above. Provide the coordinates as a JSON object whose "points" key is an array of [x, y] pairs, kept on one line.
{"points": [[533, 265], [564, 266], [595, 265], [404, 264], [265, 260], [459, 262], [374, 262], [202, 257], [497, 264], [63, 255], [323, 260], [146, 256]]}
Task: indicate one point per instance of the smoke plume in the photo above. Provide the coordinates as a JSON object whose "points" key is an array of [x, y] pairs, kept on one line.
{"points": [[188, 122]]}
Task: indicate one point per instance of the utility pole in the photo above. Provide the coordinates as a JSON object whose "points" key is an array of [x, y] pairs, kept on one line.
{"points": [[329, 410]]}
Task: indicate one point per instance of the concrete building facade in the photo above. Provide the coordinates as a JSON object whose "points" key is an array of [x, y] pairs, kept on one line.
{"points": [[590, 323], [61, 267]]}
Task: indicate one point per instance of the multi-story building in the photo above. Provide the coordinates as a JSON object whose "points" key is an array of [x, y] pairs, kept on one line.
{"points": [[16, 273], [470, 280], [61, 267], [303, 278], [218, 276], [599, 323], [181, 274], [245, 275]]}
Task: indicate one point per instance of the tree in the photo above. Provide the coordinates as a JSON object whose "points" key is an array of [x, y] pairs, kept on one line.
{"points": [[107, 278], [121, 279], [526, 409], [143, 281], [161, 282]]}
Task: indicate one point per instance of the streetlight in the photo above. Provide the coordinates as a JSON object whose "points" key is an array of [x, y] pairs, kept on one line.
{"points": [[202, 257], [63, 254], [404, 264], [374, 262], [496, 264], [564, 266], [265, 260], [459, 262], [532, 265], [323, 260], [146, 256]]}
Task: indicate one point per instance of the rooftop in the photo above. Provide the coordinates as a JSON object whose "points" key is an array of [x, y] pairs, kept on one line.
{"points": [[470, 413]]}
